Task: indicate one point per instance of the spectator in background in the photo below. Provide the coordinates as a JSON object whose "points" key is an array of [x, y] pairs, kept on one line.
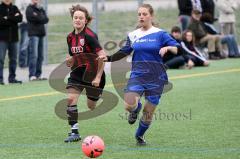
{"points": [[202, 37], [36, 17], [174, 61], [208, 6], [185, 10], [24, 41], [197, 5], [102, 5], [194, 54], [227, 17], [229, 40], [10, 16]]}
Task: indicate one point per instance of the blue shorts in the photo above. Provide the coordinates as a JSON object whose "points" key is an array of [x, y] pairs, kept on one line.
{"points": [[152, 90]]}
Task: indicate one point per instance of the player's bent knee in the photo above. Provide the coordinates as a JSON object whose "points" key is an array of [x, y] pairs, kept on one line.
{"points": [[130, 105], [72, 100], [91, 107], [131, 99], [91, 104]]}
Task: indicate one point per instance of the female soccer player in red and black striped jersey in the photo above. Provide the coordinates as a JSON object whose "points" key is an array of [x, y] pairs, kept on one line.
{"points": [[87, 72]]}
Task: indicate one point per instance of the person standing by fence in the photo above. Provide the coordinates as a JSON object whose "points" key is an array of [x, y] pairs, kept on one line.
{"points": [[185, 10], [10, 16], [36, 17], [227, 18], [24, 41]]}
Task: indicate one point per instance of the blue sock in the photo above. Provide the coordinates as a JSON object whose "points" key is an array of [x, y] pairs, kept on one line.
{"points": [[142, 128], [138, 108]]}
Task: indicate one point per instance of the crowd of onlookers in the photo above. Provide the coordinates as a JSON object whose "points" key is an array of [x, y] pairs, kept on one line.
{"points": [[198, 36], [28, 17]]}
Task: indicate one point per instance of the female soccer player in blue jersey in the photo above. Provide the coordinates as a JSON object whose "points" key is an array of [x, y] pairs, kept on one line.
{"points": [[87, 73], [148, 75]]}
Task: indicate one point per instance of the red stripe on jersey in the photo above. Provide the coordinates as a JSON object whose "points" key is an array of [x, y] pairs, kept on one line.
{"points": [[90, 32], [98, 49], [82, 58]]}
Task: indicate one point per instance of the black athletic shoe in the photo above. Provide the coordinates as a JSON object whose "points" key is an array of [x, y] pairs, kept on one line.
{"points": [[133, 116], [72, 137], [14, 81], [141, 141]]}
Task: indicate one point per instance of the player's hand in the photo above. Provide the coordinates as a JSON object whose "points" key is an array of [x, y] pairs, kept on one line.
{"points": [[163, 51], [102, 57], [69, 61], [96, 82]]}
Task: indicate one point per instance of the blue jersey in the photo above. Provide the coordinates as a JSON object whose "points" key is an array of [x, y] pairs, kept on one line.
{"points": [[148, 75], [146, 46]]}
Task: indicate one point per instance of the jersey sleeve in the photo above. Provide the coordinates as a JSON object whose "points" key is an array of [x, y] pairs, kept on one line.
{"points": [[93, 43], [127, 48], [167, 40], [69, 45]]}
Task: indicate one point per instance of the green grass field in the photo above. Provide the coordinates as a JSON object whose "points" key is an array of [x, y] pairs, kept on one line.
{"points": [[31, 130]]}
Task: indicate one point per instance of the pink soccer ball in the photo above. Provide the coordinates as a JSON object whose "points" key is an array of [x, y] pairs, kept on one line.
{"points": [[93, 146]]}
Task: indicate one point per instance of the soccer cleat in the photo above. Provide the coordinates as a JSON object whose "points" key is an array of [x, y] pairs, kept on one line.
{"points": [[141, 141], [72, 137], [132, 117]]}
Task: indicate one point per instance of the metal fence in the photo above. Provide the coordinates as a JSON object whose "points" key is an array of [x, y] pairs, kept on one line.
{"points": [[112, 21]]}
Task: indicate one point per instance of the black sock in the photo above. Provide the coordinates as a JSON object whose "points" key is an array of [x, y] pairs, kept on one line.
{"points": [[73, 118], [75, 131]]}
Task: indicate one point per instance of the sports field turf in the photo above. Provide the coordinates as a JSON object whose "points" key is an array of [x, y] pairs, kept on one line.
{"points": [[31, 130]]}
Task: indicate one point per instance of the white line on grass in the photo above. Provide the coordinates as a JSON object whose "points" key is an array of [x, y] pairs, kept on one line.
{"points": [[155, 148]]}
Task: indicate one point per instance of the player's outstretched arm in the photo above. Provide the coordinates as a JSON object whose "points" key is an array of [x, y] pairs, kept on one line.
{"points": [[115, 57]]}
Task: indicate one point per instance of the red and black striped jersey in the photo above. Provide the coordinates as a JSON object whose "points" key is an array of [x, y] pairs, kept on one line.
{"points": [[84, 42], [83, 47]]}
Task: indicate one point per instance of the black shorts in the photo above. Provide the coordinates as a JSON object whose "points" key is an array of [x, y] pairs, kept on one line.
{"points": [[93, 93]]}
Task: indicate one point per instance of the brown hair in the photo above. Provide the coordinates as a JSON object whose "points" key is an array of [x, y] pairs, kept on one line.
{"points": [[207, 17], [149, 7], [176, 29], [151, 11], [82, 9], [185, 34], [196, 11]]}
